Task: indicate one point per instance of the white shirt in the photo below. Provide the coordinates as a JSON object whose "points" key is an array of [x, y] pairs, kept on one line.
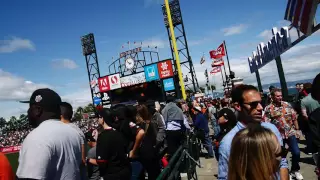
{"points": [[52, 151]]}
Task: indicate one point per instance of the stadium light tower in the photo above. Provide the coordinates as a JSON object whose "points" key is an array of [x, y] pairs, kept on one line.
{"points": [[90, 53], [182, 45]]}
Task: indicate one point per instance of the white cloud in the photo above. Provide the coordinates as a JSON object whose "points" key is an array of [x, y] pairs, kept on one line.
{"points": [[233, 30], [64, 63], [79, 98], [155, 42], [14, 44], [266, 35], [14, 88]]}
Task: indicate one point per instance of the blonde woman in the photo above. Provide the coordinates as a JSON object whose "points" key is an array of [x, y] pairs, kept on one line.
{"points": [[255, 154]]}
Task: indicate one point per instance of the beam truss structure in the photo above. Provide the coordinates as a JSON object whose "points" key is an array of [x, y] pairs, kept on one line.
{"points": [[90, 53], [190, 79]]}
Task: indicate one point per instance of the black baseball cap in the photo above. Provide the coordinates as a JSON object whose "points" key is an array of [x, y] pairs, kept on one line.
{"points": [[45, 98], [89, 136]]}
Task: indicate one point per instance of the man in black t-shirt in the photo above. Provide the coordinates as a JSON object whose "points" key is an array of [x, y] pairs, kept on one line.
{"points": [[111, 151]]}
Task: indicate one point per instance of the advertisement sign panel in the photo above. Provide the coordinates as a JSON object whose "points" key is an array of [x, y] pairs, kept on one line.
{"points": [[96, 101], [151, 72], [165, 69], [168, 84], [133, 79], [104, 85], [10, 149], [114, 81]]}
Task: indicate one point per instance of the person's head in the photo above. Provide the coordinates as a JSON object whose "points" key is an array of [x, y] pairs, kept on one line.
{"points": [[298, 86], [143, 112], [44, 104], [255, 152], [301, 87], [66, 111], [224, 102], [307, 87], [226, 119], [105, 117], [276, 95], [315, 91], [247, 101], [271, 88]]}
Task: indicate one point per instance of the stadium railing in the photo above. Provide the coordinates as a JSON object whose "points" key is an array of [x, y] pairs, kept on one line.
{"points": [[185, 160]]}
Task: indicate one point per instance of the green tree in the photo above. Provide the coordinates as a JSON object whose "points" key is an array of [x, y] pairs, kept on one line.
{"points": [[3, 122], [202, 89], [89, 108], [79, 110], [22, 116]]}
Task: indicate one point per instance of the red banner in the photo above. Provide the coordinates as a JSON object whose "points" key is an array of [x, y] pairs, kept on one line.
{"points": [[215, 70], [165, 69], [219, 53], [10, 149], [217, 62]]}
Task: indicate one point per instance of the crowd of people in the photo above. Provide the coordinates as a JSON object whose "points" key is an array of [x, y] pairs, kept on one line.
{"points": [[15, 136], [250, 139]]}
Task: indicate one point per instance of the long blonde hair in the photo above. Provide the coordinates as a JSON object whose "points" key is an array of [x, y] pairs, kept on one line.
{"points": [[253, 154]]}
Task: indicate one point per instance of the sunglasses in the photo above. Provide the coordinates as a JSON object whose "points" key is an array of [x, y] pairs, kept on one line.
{"points": [[253, 104]]}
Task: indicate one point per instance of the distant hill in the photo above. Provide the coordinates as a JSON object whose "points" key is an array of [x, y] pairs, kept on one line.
{"points": [[291, 85]]}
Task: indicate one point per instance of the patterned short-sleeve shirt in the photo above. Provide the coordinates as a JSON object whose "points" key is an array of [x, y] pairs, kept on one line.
{"points": [[282, 117]]}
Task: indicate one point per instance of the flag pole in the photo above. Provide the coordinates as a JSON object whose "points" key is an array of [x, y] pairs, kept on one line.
{"points": [[222, 76], [225, 47]]}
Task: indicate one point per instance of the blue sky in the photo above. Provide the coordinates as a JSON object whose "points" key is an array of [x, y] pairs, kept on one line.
{"points": [[40, 41]]}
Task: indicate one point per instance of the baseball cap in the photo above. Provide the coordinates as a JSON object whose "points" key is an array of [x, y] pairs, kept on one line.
{"points": [[227, 113], [197, 108], [45, 98]]}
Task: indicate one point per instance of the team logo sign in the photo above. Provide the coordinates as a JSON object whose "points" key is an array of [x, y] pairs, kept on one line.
{"points": [[104, 84], [151, 72], [168, 84], [114, 81], [165, 69]]}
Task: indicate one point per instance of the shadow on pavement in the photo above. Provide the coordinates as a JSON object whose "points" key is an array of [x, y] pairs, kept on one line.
{"points": [[307, 160]]}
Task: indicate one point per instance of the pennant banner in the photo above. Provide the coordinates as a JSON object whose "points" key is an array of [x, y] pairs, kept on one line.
{"points": [[219, 53], [217, 62], [215, 70]]}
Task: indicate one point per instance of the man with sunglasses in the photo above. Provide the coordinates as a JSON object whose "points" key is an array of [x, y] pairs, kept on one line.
{"points": [[247, 101], [284, 117]]}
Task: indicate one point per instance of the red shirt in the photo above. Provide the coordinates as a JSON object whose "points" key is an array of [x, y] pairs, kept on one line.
{"points": [[6, 172]]}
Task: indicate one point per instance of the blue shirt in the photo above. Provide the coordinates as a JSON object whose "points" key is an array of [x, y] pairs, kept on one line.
{"points": [[201, 122], [225, 147]]}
